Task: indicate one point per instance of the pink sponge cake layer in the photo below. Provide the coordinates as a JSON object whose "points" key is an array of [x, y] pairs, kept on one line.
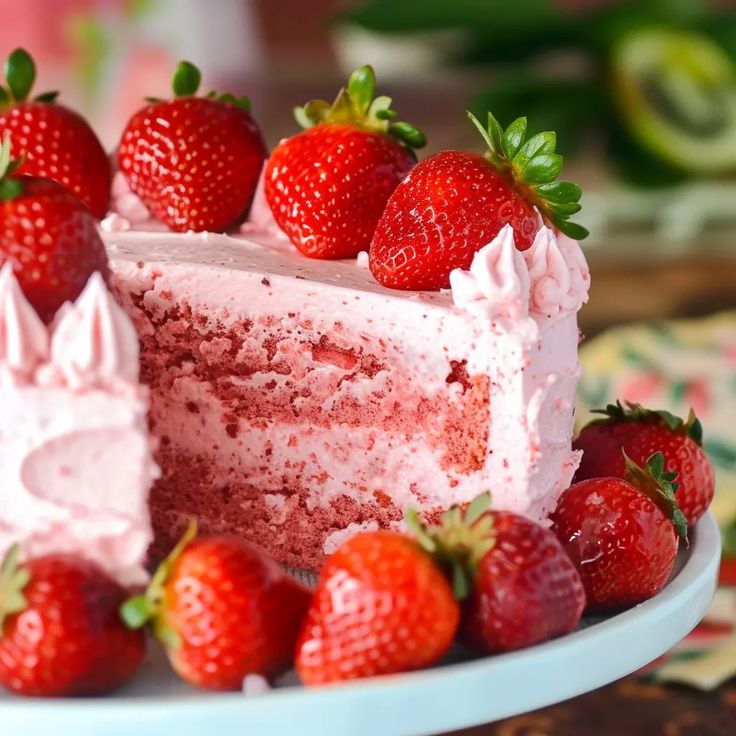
{"points": [[297, 401]]}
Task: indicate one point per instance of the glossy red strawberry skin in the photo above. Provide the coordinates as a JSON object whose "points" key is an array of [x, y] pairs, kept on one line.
{"points": [[526, 589], [622, 544], [58, 143], [601, 444], [51, 239], [381, 606], [70, 640], [328, 186], [193, 161], [235, 613], [451, 205]]}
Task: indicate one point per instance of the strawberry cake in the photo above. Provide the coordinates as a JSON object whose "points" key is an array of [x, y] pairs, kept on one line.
{"points": [[379, 334]]}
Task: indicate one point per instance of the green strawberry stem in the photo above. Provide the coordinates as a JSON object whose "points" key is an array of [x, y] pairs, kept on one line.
{"points": [[186, 81], [659, 486], [13, 580], [630, 412], [532, 166], [357, 105], [20, 74], [459, 542], [139, 610], [10, 188]]}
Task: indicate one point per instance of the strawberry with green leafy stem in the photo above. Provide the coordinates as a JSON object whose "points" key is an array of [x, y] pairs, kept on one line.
{"points": [[622, 534], [222, 610], [516, 584], [52, 141], [456, 202], [48, 236], [642, 432], [60, 628], [194, 161], [328, 185]]}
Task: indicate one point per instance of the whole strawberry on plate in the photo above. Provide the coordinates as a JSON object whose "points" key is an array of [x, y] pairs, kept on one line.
{"points": [[516, 584], [456, 202], [622, 533], [223, 610], [48, 236], [53, 141], [328, 185], [382, 605], [642, 432], [194, 161], [60, 628]]}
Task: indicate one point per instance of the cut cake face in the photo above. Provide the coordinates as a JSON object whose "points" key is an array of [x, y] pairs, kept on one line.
{"points": [[296, 401]]}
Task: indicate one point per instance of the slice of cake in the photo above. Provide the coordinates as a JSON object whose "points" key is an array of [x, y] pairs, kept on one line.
{"points": [[296, 401], [75, 458]]}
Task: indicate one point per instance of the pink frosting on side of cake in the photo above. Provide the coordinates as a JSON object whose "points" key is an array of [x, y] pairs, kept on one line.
{"points": [[76, 462], [260, 219]]}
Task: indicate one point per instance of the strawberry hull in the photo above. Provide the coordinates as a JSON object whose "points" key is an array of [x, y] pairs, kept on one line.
{"points": [[297, 402]]}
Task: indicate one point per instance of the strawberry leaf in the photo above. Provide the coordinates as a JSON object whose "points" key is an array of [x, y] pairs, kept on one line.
{"points": [[542, 168], [362, 88], [572, 229], [13, 580], [186, 80], [355, 104], [559, 192], [539, 143], [532, 167], [47, 97], [4, 97], [654, 482], [513, 137], [20, 74]]}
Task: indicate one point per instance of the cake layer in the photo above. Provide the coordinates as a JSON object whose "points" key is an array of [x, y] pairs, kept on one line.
{"points": [[297, 401]]}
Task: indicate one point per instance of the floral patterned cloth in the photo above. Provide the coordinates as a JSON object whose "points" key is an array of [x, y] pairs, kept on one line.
{"points": [[677, 365]]}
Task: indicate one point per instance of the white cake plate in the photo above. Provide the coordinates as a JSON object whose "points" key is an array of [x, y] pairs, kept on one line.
{"points": [[457, 694]]}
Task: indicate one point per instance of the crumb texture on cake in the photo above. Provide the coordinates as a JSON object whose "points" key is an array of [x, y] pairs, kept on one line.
{"points": [[295, 401]]}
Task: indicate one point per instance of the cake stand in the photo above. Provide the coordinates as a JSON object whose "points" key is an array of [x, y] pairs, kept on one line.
{"points": [[461, 692]]}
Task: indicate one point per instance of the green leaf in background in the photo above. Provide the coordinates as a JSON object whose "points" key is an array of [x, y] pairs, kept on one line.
{"points": [[406, 16], [729, 539]]}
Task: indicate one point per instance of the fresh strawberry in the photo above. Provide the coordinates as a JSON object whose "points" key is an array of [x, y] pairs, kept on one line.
{"points": [[194, 161], [223, 610], [53, 141], [456, 202], [642, 432], [48, 235], [60, 628], [622, 533], [381, 606], [328, 185], [517, 585]]}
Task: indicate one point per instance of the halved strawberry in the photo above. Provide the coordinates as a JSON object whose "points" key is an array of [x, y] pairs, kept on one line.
{"points": [[194, 161], [456, 202], [52, 141], [328, 185]]}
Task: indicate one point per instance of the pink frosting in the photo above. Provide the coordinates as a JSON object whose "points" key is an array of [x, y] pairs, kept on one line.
{"points": [[260, 218], [24, 340], [76, 461], [94, 342], [547, 280], [127, 209]]}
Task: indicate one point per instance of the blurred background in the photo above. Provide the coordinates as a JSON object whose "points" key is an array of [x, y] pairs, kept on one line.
{"points": [[642, 94]]}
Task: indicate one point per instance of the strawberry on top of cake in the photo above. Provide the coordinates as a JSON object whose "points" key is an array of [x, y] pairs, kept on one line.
{"points": [[299, 400]]}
